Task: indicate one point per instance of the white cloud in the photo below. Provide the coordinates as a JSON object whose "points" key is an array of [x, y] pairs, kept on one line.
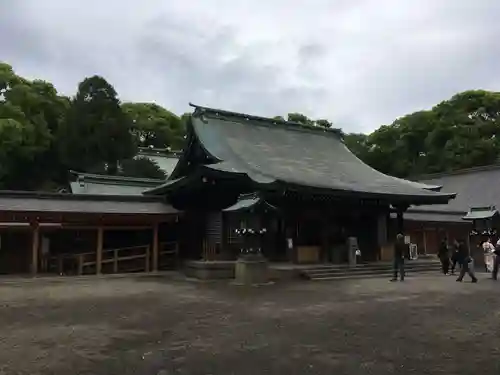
{"points": [[358, 63]]}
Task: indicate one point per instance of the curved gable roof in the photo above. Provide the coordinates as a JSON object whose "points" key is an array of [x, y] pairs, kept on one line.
{"points": [[270, 151]]}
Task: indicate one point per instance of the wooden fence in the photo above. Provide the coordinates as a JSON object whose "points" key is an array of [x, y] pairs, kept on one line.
{"points": [[119, 260], [168, 255]]}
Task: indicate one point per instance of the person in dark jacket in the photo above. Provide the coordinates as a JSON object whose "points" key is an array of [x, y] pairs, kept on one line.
{"points": [[454, 256], [444, 256], [466, 262], [401, 250], [496, 261]]}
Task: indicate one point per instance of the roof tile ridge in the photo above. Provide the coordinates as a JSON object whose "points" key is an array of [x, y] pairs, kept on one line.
{"points": [[265, 121], [457, 172], [117, 178]]}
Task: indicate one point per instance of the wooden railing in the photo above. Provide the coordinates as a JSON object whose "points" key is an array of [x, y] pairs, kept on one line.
{"points": [[168, 255], [112, 261], [115, 257], [124, 259]]}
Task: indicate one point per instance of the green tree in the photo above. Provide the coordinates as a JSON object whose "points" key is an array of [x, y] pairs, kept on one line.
{"points": [[300, 118], [357, 143], [96, 130], [30, 113], [461, 132], [12, 147], [323, 123], [155, 126], [468, 129], [141, 167]]}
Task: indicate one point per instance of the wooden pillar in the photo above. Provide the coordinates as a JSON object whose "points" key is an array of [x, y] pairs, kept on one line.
{"points": [[35, 245], [155, 247], [100, 237], [325, 231], [382, 230], [148, 260], [425, 240]]}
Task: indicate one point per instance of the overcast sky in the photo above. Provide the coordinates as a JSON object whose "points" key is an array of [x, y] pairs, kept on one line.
{"points": [[359, 63]]}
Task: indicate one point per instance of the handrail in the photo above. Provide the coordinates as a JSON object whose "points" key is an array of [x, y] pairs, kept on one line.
{"points": [[89, 259], [124, 248], [103, 251]]}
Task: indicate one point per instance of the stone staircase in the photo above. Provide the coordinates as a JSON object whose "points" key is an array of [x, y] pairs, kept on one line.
{"points": [[370, 270]]}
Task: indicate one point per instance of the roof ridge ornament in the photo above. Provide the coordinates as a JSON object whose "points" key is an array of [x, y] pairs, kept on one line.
{"points": [[201, 111]]}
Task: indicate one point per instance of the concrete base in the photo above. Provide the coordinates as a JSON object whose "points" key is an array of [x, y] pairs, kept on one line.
{"points": [[209, 270], [251, 270]]}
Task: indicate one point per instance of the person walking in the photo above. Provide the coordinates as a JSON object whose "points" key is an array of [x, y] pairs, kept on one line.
{"points": [[454, 256], [466, 262], [444, 256], [401, 250], [496, 261], [488, 250]]}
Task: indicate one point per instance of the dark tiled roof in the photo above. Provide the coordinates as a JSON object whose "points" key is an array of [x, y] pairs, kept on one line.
{"points": [[447, 217], [85, 203], [475, 187], [478, 213], [271, 151], [159, 151], [247, 202], [97, 184], [164, 158], [118, 179]]}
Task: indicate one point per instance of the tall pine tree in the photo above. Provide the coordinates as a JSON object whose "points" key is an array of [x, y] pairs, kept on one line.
{"points": [[97, 131]]}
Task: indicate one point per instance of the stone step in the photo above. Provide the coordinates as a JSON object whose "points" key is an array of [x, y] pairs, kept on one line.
{"points": [[408, 264], [367, 268], [387, 275], [367, 272], [362, 271], [363, 268]]}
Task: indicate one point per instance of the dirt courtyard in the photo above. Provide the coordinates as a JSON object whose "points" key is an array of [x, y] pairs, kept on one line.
{"points": [[139, 325]]}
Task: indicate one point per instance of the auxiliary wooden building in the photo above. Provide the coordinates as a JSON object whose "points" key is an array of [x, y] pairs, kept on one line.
{"points": [[477, 201], [100, 224]]}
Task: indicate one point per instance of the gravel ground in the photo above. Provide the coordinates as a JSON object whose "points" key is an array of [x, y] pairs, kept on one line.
{"points": [[426, 325]]}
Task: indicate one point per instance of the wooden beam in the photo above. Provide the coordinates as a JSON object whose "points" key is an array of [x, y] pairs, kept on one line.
{"points": [[155, 247], [100, 236], [105, 227], [35, 244]]}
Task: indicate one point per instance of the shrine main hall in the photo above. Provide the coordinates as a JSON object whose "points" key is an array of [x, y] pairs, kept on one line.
{"points": [[300, 183]]}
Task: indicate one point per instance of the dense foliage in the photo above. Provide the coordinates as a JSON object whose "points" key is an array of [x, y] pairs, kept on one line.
{"points": [[44, 134], [458, 133]]}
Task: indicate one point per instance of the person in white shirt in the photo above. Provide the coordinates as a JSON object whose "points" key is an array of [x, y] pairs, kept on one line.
{"points": [[358, 256], [489, 250]]}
